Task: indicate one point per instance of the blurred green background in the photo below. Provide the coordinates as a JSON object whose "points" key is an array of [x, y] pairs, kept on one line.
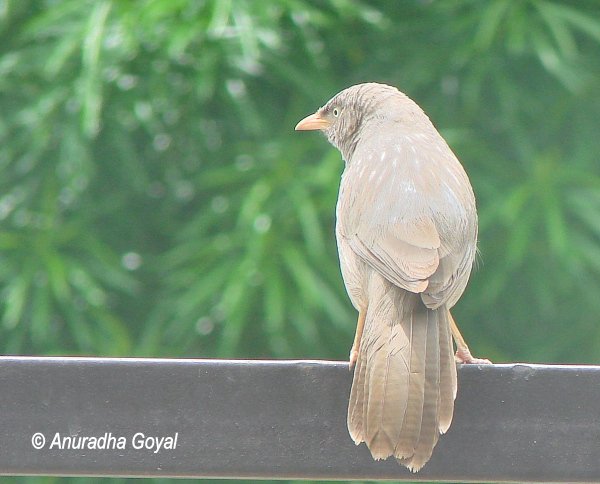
{"points": [[155, 200]]}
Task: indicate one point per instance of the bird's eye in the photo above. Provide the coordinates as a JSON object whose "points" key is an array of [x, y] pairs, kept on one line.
{"points": [[336, 112]]}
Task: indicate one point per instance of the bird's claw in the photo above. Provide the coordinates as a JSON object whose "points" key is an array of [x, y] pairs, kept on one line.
{"points": [[353, 358], [463, 355]]}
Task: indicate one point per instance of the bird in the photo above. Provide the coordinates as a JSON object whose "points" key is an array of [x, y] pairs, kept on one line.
{"points": [[406, 231]]}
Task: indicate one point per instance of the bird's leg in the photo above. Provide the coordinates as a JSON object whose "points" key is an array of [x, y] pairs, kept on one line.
{"points": [[360, 325], [463, 354]]}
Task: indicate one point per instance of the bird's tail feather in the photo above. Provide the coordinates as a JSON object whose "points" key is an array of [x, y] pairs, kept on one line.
{"points": [[404, 384]]}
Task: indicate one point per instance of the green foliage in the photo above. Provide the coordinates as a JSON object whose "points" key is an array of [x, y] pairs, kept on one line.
{"points": [[154, 199]]}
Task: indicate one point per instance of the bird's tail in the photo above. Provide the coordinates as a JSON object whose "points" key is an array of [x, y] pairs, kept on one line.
{"points": [[404, 383]]}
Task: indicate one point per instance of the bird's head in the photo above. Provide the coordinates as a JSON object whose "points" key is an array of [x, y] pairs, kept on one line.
{"points": [[343, 116]]}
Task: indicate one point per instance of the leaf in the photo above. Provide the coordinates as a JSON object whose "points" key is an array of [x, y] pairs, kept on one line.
{"points": [[490, 21], [90, 79], [582, 22]]}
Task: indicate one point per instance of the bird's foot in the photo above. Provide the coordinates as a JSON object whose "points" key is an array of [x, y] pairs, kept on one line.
{"points": [[463, 355], [353, 357]]}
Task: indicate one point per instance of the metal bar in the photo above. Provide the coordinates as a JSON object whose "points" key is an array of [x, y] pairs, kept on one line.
{"points": [[282, 419]]}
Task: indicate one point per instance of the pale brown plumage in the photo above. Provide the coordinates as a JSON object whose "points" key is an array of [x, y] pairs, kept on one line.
{"points": [[406, 233]]}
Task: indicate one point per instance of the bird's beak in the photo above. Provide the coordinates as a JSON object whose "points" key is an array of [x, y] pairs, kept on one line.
{"points": [[312, 122]]}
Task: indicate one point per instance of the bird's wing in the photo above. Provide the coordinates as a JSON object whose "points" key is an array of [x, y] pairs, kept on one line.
{"points": [[408, 212], [448, 282], [405, 253]]}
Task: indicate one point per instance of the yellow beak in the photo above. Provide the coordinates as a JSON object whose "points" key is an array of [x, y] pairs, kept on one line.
{"points": [[312, 122]]}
